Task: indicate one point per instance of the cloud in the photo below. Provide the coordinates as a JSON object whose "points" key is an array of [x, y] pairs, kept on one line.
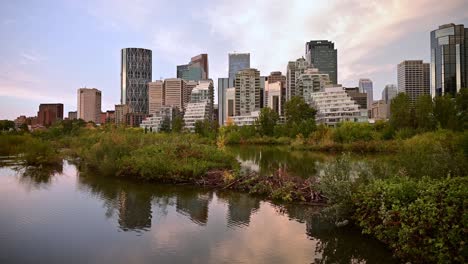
{"points": [[30, 58], [276, 31]]}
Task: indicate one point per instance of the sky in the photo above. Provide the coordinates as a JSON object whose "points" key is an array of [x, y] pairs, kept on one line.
{"points": [[50, 48]]}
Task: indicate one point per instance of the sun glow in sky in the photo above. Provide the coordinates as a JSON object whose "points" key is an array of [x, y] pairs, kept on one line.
{"points": [[50, 48]]}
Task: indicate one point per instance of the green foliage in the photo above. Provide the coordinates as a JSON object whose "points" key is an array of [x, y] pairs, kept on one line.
{"points": [[267, 121], [206, 128], [348, 132], [166, 125], [461, 101], [177, 124], [422, 221], [424, 113], [445, 112], [296, 110], [6, 125], [401, 116]]}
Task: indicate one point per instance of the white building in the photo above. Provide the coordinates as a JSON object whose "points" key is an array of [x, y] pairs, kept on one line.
{"points": [[245, 120], [333, 106], [273, 96], [311, 81], [154, 123], [200, 107]]}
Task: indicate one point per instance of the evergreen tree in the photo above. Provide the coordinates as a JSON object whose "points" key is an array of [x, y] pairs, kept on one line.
{"points": [[400, 109]]}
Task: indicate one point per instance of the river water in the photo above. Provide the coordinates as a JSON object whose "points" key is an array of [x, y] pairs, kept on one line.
{"points": [[60, 215]]}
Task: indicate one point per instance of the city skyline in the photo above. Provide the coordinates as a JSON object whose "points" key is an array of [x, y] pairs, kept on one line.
{"points": [[84, 50]]}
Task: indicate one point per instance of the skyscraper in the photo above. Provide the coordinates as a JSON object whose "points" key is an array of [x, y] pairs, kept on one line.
{"points": [[366, 86], [237, 62], [49, 114], [449, 59], [136, 69], [155, 96], [195, 70], [174, 92], [413, 78], [223, 85], [311, 81], [294, 70], [322, 54], [247, 86], [277, 76], [389, 92], [89, 105]]}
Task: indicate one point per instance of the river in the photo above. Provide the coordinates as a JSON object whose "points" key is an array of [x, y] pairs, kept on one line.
{"points": [[60, 215]]}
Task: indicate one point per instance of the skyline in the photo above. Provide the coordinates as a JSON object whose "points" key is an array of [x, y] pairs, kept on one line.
{"points": [[46, 62]]}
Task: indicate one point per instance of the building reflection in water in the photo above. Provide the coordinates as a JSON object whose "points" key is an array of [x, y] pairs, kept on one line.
{"points": [[194, 204], [35, 178], [240, 207], [134, 210]]}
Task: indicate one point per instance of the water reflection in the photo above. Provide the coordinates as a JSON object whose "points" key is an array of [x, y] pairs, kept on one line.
{"points": [[172, 224], [36, 178], [278, 160]]}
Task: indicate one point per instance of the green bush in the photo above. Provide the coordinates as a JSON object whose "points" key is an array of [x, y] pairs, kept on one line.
{"points": [[348, 132], [422, 221]]}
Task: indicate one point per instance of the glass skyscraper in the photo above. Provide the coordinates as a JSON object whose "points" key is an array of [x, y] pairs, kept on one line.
{"points": [[238, 62], [366, 86], [449, 59], [136, 69], [321, 54], [196, 70]]}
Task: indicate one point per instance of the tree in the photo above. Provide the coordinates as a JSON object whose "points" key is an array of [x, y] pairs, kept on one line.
{"points": [[297, 110], [445, 111], [461, 102], [177, 124], [165, 125], [400, 109], [6, 125], [267, 121], [424, 113]]}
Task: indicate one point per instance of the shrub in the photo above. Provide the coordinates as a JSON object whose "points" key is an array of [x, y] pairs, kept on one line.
{"points": [[422, 221]]}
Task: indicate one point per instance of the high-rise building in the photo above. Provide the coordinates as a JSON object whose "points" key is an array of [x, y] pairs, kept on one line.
{"points": [[72, 115], [277, 76], [379, 110], [189, 85], [322, 54], [230, 105], [136, 70], [294, 70], [155, 96], [121, 112], [223, 85], [248, 97], [49, 113], [175, 92], [413, 78], [357, 96], [237, 62], [195, 70], [273, 98], [200, 107], [311, 81], [366, 86], [449, 59], [89, 105], [389, 92]]}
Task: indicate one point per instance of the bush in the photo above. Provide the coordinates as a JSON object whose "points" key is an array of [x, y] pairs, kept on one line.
{"points": [[348, 132], [422, 221]]}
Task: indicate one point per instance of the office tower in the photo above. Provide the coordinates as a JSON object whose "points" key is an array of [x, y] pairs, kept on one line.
{"points": [[333, 106], [322, 54], [277, 76], [223, 85], [175, 92], [49, 113], [195, 70], [273, 96], [247, 86], [121, 112], [449, 59], [294, 70], [230, 103], [413, 78], [135, 74], [189, 85], [155, 96], [389, 92], [358, 97], [379, 110], [311, 81], [72, 115], [365, 86], [89, 105], [237, 62]]}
